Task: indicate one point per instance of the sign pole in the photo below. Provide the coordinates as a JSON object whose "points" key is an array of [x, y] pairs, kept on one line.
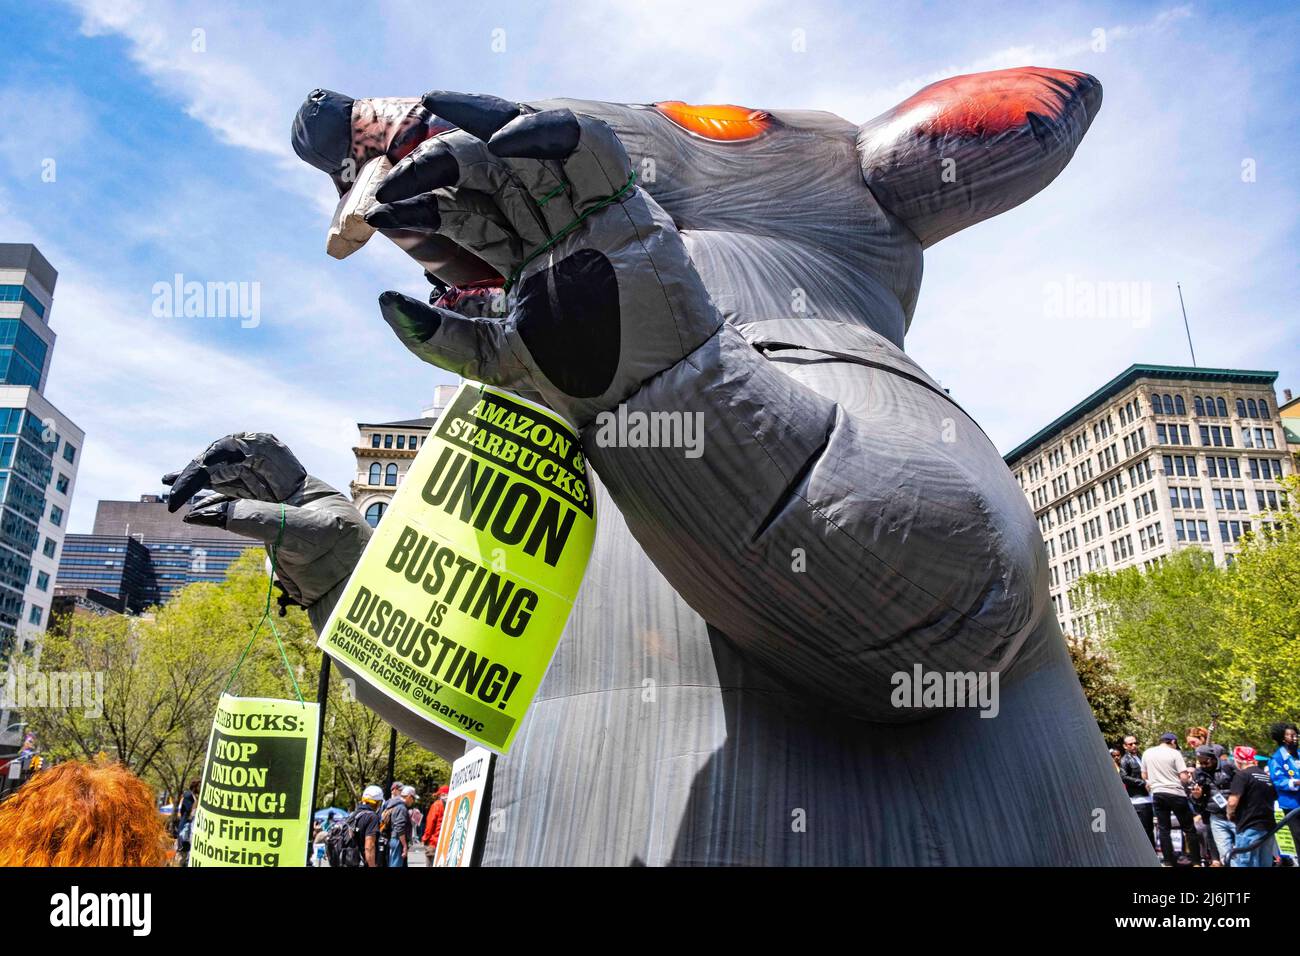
{"points": [[392, 758], [322, 698]]}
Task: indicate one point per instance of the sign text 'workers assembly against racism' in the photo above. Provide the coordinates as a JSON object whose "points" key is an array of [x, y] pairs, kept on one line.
{"points": [[459, 600], [255, 798]]}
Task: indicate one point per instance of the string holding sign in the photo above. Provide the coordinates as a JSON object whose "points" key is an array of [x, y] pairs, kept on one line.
{"points": [[255, 798], [268, 618]]}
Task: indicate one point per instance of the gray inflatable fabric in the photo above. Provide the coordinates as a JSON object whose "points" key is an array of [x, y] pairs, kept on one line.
{"points": [[723, 691]]}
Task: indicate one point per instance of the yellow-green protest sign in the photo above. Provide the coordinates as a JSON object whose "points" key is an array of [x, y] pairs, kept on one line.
{"points": [[459, 600], [255, 798], [1285, 841]]}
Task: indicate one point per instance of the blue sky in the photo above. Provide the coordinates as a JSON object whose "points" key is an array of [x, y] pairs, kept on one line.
{"points": [[170, 160]]}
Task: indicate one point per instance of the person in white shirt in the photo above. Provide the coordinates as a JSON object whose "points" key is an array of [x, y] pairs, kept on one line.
{"points": [[1168, 777]]}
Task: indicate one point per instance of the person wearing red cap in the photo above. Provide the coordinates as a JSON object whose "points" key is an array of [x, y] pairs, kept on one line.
{"points": [[1250, 807], [433, 824]]}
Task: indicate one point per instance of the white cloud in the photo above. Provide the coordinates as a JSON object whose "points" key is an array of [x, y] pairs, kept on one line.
{"points": [[235, 99]]}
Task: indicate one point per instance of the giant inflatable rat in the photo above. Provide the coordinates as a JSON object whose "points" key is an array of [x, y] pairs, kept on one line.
{"points": [[736, 682]]}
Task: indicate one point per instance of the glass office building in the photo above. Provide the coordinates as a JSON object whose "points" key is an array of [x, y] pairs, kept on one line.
{"points": [[40, 451], [172, 554]]}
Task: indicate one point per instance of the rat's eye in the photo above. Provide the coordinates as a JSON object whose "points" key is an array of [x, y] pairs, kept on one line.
{"points": [[721, 122]]}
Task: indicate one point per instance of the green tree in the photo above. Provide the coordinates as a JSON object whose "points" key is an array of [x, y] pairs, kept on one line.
{"points": [[160, 684], [1262, 625], [1163, 628], [1110, 698], [1194, 640]]}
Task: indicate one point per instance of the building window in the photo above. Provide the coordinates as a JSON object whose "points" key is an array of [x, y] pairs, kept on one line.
{"points": [[388, 441], [374, 473], [1230, 532], [56, 515], [1198, 405], [61, 485], [22, 355], [401, 441], [415, 440], [34, 615], [1263, 409], [374, 513], [1180, 405], [49, 548], [1241, 409], [42, 581], [18, 293], [1223, 407], [390, 475], [69, 452], [374, 440]]}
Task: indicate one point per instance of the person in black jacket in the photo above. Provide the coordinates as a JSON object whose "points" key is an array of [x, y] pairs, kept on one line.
{"points": [[1211, 782], [1130, 771]]}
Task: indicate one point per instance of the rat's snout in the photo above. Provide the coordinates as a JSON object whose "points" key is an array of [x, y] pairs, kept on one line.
{"points": [[322, 131]]}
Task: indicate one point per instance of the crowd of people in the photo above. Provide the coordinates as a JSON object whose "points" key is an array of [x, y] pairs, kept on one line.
{"points": [[382, 832], [98, 813], [1223, 802]]}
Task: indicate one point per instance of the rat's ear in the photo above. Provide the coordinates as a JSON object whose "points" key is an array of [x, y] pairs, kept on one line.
{"points": [[969, 147]]}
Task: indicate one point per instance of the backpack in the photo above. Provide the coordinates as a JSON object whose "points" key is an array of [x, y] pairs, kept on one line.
{"points": [[386, 823], [343, 842]]}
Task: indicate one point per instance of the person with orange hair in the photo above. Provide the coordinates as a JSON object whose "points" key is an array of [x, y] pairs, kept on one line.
{"points": [[82, 814]]}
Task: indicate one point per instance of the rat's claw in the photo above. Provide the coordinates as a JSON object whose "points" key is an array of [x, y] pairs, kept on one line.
{"points": [[244, 465], [185, 485], [550, 134], [480, 114]]}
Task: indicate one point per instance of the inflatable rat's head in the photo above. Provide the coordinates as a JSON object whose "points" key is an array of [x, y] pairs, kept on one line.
{"points": [[766, 185], [340, 136]]}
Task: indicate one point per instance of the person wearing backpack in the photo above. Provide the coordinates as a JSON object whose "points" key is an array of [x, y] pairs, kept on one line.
{"points": [[386, 821], [354, 840], [395, 823]]}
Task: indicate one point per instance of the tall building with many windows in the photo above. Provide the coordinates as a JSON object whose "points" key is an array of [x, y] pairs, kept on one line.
{"points": [[385, 452], [1159, 458], [40, 450], [117, 565]]}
